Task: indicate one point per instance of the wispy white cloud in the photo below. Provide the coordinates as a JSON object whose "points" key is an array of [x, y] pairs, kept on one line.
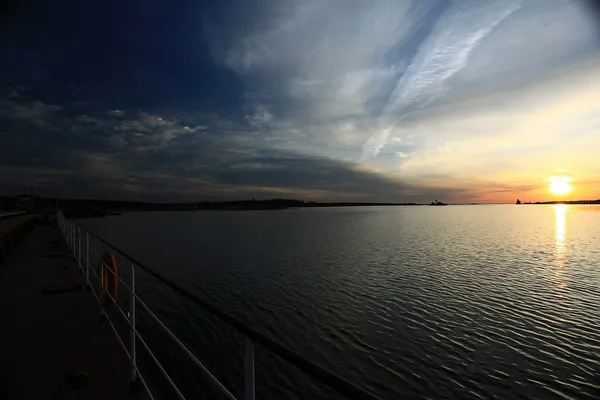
{"points": [[115, 113], [260, 117], [368, 81], [145, 132], [35, 112], [324, 63], [445, 52]]}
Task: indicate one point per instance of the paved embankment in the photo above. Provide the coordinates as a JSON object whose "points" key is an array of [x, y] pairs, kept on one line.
{"points": [[12, 230], [45, 337]]}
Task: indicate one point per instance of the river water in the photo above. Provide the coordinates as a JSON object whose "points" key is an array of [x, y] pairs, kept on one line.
{"points": [[494, 301]]}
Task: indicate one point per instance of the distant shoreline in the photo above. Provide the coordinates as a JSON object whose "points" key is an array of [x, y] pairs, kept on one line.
{"points": [[564, 202], [82, 208]]}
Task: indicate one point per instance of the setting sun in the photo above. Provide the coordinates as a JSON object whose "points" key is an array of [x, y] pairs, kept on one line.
{"points": [[560, 184]]}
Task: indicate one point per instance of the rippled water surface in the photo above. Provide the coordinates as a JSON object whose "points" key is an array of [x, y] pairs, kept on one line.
{"points": [[407, 302]]}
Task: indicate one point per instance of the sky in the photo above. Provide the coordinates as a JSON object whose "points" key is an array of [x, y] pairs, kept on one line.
{"points": [[340, 100]]}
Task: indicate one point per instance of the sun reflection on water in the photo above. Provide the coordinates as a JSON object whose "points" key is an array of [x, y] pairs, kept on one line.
{"points": [[560, 250]]}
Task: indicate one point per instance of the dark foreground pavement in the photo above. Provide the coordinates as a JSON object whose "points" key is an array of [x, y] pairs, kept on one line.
{"points": [[45, 337]]}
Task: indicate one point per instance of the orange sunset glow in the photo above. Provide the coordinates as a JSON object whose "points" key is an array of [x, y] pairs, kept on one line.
{"points": [[560, 185]]}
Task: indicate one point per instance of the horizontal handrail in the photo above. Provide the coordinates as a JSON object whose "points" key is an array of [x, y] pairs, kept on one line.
{"points": [[333, 381], [214, 380], [160, 367]]}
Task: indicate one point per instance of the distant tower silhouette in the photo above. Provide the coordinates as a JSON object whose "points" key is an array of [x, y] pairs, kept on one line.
{"points": [[518, 201]]}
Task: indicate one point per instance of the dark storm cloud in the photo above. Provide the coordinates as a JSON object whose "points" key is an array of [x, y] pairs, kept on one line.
{"points": [[183, 155]]}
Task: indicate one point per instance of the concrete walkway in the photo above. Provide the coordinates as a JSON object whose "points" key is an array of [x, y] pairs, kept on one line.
{"points": [[45, 337]]}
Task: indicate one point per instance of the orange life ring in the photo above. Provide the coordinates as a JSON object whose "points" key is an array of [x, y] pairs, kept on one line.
{"points": [[111, 286]]}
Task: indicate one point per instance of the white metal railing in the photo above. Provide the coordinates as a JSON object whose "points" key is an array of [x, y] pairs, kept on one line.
{"points": [[78, 240], [74, 235], [9, 213]]}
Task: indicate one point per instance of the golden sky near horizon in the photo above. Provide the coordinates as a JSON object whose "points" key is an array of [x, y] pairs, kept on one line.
{"points": [[509, 145]]}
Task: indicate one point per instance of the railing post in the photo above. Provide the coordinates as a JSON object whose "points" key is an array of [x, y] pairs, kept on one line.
{"points": [[132, 325], [101, 293], [249, 371], [87, 259], [79, 258]]}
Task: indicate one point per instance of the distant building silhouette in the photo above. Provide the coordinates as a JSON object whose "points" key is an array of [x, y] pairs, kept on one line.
{"points": [[518, 201], [438, 203]]}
